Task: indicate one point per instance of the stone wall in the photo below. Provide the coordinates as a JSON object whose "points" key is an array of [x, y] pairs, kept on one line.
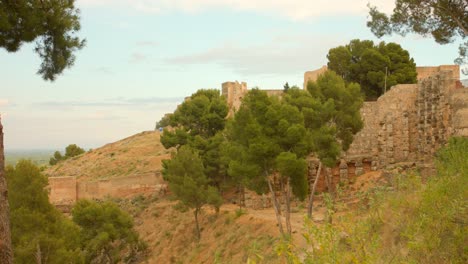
{"points": [[234, 91], [313, 75], [405, 126], [67, 190], [412, 121], [62, 190], [425, 72]]}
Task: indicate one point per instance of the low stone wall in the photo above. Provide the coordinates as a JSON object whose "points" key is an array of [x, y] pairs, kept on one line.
{"points": [[62, 190], [67, 190]]}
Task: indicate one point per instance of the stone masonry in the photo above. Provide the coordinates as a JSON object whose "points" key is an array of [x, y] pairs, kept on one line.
{"points": [[404, 127]]}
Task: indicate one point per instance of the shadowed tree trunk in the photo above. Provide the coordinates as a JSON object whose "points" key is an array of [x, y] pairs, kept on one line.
{"points": [[276, 206], [312, 192], [195, 212], [6, 253], [287, 195]]}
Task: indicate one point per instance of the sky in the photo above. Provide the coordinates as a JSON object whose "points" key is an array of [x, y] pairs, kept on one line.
{"points": [[142, 57]]}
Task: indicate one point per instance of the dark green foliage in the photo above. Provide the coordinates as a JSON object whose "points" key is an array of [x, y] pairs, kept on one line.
{"points": [[53, 24], [38, 229], [56, 158], [294, 169], [286, 87], [100, 233], [106, 233], [71, 150], [202, 114], [407, 221], [331, 112], [187, 180], [364, 63], [197, 122], [164, 122], [444, 20]]}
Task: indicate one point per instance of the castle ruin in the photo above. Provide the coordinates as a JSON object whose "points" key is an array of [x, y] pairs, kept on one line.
{"points": [[404, 127]]}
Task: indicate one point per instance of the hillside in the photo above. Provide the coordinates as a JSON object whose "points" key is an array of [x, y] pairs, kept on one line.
{"points": [[138, 154]]}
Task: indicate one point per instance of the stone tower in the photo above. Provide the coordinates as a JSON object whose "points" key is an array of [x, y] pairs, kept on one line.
{"points": [[234, 91], [313, 75]]}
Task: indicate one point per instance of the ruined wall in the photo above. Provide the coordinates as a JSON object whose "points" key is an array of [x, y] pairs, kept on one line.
{"points": [[425, 72], [62, 190], [120, 187], [412, 121], [233, 91], [459, 104], [67, 190], [313, 75]]}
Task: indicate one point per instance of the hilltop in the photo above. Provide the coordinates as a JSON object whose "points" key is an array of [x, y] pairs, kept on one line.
{"points": [[138, 154]]}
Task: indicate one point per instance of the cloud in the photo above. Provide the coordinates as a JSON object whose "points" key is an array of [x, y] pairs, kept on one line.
{"points": [[113, 102], [100, 115], [104, 70], [147, 43], [293, 9], [138, 57], [277, 56]]}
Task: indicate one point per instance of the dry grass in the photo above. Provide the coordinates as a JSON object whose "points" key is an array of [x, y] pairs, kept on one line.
{"points": [[138, 154]]}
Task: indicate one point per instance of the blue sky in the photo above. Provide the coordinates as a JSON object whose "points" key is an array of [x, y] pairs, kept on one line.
{"points": [[142, 57]]}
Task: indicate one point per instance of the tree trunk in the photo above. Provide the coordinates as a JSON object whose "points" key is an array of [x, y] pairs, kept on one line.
{"points": [[276, 207], [312, 192], [196, 223], [241, 196], [6, 253], [328, 179], [288, 208], [38, 254]]}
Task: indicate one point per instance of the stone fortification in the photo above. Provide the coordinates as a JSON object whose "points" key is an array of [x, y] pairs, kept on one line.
{"points": [[408, 124], [233, 91], [65, 191], [428, 71], [311, 76], [405, 126]]}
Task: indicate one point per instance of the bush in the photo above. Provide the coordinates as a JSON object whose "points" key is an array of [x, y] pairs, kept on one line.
{"points": [[408, 223]]}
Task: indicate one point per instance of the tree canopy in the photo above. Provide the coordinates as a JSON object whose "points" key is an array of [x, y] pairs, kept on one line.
{"points": [[444, 20], [188, 182], [39, 232], [71, 150], [197, 122], [53, 24], [106, 233], [374, 67]]}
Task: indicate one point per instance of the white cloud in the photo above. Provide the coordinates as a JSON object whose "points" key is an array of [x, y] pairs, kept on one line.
{"points": [[147, 43], [137, 57], [293, 9], [277, 56]]}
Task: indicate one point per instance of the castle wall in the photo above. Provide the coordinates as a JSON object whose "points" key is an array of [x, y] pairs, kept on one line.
{"points": [[313, 75], [233, 92], [425, 72], [67, 190], [62, 190]]}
